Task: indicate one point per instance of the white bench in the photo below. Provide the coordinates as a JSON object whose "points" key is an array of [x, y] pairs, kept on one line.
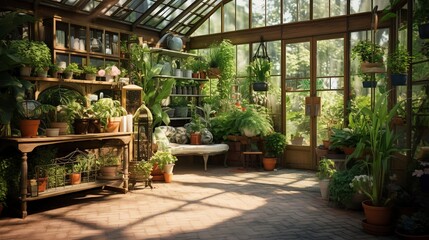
{"points": [[199, 150]]}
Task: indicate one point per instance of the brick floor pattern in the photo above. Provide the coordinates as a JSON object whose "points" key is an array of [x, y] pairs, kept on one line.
{"points": [[218, 204]]}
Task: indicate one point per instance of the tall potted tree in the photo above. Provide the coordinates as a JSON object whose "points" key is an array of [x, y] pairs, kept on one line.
{"points": [[381, 145], [274, 144]]}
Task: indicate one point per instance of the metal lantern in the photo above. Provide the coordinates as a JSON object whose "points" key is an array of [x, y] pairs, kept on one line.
{"points": [[131, 97], [142, 133]]}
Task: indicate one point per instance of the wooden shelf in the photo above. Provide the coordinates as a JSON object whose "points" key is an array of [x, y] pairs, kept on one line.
{"points": [[60, 80], [181, 78], [172, 53], [187, 95]]}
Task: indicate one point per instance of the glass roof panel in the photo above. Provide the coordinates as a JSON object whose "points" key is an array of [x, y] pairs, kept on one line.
{"points": [[135, 12]]}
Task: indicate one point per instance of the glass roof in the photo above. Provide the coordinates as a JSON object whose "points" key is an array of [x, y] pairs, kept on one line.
{"points": [[178, 16]]}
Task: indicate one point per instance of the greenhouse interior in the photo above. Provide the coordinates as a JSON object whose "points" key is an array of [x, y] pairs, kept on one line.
{"points": [[214, 119]]}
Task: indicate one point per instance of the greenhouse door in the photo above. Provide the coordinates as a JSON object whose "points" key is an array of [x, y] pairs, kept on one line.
{"points": [[314, 99]]}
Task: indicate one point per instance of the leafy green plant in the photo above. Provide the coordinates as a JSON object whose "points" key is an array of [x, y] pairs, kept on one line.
{"points": [[162, 158], [367, 51], [275, 144], [106, 108], [345, 137], [416, 224], [109, 159], [326, 169], [381, 143], [340, 191], [154, 89], [89, 69], [144, 168], [257, 122], [12, 89], [76, 110], [399, 61], [421, 12], [73, 68], [260, 68], [25, 110], [41, 56]]}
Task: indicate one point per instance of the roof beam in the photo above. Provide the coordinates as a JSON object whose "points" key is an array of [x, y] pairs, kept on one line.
{"points": [[103, 5], [144, 15], [181, 15]]}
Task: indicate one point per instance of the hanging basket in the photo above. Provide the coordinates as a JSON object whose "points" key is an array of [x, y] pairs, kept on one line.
{"points": [[368, 67], [369, 84], [398, 79], [260, 86]]}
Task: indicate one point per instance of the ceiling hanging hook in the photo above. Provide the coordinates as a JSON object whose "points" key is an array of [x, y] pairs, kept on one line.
{"points": [[264, 54]]}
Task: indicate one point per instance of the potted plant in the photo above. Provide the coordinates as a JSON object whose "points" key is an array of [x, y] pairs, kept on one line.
{"points": [[180, 105], [370, 55], [325, 171], [30, 112], [70, 70], [296, 139], [398, 63], [421, 18], [22, 49], [165, 162], [367, 81], [12, 89], [252, 123], [274, 144], [415, 226], [108, 163], [195, 127], [140, 172], [381, 145], [90, 72], [79, 116], [346, 139], [41, 55], [260, 69], [109, 112], [54, 69]]}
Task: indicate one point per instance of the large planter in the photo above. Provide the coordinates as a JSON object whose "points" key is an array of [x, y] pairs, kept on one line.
{"points": [[376, 215], [29, 127], [398, 79], [324, 188], [269, 163], [181, 112], [109, 171]]}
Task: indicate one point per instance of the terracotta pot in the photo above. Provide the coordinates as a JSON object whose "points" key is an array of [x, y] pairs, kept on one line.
{"points": [[375, 215], [75, 178], [168, 177], [378, 230], [25, 71], [108, 171], [90, 76], [157, 174], [203, 75], [196, 138], [214, 72], [63, 126], [195, 75], [113, 125], [29, 127], [269, 163], [326, 143], [348, 150], [41, 184]]}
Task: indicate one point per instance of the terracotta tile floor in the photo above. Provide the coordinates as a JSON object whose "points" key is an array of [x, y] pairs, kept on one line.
{"points": [[222, 203]]}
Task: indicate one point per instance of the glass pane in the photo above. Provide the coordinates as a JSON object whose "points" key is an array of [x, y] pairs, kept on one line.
{"points": [[331, 115], [274, 51], [297, 124], [242, 12], [358, 6], [229, 16], [242, 59], [298, 60], [290, 11], [215, 22], [273, 12], [320, 9], [338, 7], [98, 62], [303, 10], [258, 14], [330, 57]]}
